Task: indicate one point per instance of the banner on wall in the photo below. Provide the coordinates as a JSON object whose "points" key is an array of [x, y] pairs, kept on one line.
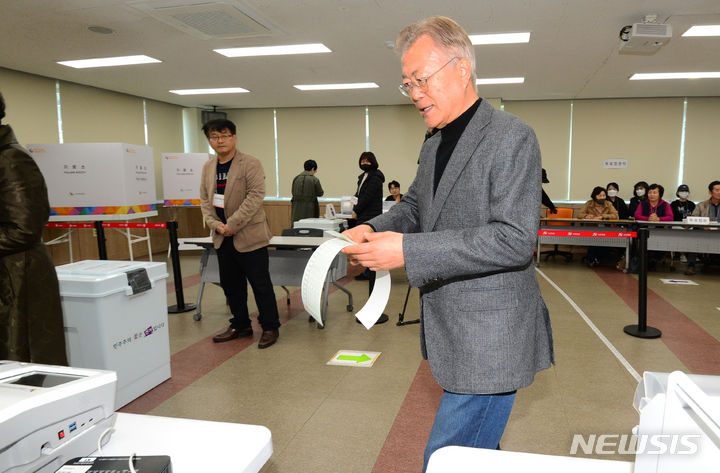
{"points": [[181, 178], [97, 178]]}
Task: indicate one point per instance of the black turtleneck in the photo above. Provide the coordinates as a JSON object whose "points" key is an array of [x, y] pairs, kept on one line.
{"points": [[449, 136]]}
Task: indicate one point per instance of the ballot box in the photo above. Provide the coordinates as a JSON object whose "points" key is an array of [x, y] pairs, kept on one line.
{"points": [[115, 315]]}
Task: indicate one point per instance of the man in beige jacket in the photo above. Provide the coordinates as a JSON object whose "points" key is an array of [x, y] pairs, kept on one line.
{"points": [[231, 194]]}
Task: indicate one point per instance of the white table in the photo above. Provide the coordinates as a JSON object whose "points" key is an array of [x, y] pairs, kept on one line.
{"points": [[193, 445], [131, 239], [286, 267], [476, 460]]}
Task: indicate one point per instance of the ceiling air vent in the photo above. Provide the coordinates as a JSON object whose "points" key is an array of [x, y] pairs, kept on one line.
{"points": [[209, 20]]}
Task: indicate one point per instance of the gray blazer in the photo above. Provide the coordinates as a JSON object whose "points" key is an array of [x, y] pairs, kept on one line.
{"points": [[484, 326]]}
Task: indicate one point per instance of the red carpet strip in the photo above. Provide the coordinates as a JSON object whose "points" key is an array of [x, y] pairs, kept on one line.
{"points": [[197, 360], [697, 349], [405, 444]]}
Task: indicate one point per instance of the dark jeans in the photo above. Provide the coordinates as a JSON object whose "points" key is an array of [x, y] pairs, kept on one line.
{"points": [[236, 269]]}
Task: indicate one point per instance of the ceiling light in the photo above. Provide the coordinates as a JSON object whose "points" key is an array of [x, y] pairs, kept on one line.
{"points": [[500, 80], [109, 61], [226, 90], [500, 38], [274, 50], [676, 75], [357, 85], [703, 30]]}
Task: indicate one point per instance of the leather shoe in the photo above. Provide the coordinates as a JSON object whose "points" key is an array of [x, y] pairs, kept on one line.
{"points": [[268, 338], [232, 333]]}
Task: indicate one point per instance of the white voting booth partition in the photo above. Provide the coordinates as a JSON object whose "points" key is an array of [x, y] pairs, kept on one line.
{"points": [[181, 174], [96, 178], [98, 181]]}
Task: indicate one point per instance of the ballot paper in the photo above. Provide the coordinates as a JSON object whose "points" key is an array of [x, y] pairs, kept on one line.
{"points": [[313, 283]]}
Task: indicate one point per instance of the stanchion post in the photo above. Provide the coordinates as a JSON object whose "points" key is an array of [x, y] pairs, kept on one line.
{"points": [[100, 234], [641, 330], [181, 306]]}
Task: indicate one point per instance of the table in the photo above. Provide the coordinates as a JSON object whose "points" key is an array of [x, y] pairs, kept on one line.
{"points": [[131, 239], [474, 460], [193, 445], [287, 265]]}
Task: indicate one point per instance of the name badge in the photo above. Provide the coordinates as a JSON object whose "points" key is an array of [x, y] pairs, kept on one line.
{"points": [[219, 201]]}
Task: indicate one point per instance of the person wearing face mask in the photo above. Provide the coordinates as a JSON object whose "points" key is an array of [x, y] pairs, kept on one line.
{"points": [[653, 208], [597, 208], [612, 195], [369, 198], [639, 195], [682, 207]]}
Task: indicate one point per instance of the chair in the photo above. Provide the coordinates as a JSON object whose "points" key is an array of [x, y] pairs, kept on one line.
{"points": [[562, 212]]}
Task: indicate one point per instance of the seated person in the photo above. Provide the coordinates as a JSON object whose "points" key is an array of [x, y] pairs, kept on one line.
{"points": [[640, 193], [654, 209], [616, 201], [597, 208], [394, 188], [682, 207], [711, 207]]}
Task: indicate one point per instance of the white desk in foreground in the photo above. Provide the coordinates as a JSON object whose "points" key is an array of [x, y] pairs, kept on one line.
{"points": [[193, 445], [475, 460]]}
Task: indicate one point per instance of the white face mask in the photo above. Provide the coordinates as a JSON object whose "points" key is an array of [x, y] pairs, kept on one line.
{"points": [[683, 195], [640, 192], [612, 193]]}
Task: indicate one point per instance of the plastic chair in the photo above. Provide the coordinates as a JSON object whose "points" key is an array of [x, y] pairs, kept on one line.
{"points": [[562, 212]]}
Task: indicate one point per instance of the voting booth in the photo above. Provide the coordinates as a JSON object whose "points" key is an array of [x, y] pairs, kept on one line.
{"points": [[97, 178], [115, 315], [181, 173]]}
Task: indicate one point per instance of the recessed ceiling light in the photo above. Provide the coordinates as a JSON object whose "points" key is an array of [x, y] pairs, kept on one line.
{"points": [[226, 90], [274, 50], [109, 61], [703, 30], [500, 80], [676, 75], [500, 38], [357, 85]]}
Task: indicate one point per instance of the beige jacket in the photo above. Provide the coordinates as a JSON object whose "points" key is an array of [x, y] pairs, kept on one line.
{"points": [[608, 212], [244, 195]]}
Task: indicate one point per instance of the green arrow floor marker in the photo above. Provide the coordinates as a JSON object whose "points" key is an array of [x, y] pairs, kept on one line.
{"points": [[355, 358]]}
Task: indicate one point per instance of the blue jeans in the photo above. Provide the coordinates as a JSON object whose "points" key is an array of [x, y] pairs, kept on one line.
{"points": [[469, 420]]}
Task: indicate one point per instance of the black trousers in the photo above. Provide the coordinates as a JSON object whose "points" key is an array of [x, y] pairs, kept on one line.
{"points": [[236, 269]]}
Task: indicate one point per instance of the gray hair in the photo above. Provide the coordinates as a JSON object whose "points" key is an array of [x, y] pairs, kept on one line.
{"points": [[445, 32]]}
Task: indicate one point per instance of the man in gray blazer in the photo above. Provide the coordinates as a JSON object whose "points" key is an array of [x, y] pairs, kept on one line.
{"points": [[465, 232]]}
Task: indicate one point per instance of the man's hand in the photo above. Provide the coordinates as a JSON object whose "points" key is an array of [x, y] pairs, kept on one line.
{"points": [[357, 234], [381, 251], [224, 230]]}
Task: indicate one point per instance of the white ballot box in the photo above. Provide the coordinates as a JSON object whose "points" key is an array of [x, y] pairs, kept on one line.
{"points": [[97, 178], [181, 173], [115, 315]]}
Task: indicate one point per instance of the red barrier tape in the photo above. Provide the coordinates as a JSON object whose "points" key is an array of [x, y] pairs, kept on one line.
{"points": [[106, 225], [586, 233]]}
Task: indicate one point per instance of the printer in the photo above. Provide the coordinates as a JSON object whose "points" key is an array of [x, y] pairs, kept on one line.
{"points": [[51, 414]]}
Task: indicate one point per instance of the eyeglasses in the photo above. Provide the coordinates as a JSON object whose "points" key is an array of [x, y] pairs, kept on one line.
{"points": [[219, 137], [420, 82]]}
